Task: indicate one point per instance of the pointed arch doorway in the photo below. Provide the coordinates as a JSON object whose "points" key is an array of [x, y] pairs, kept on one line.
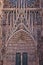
{"points": [[21, 46]]}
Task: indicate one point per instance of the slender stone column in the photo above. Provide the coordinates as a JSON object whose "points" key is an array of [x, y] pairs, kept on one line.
{"points": [[7, 22], [13, 19], [40, 3], [29, 20]]}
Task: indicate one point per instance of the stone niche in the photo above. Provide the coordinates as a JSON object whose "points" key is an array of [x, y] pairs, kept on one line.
{"points": [[21, 41]]}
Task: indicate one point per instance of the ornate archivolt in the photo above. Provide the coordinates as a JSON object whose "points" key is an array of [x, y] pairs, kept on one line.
{"points": [[20, 40], [21, 36]]}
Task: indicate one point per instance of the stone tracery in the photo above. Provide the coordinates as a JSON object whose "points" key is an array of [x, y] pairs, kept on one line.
{"points": [[22, 18]]}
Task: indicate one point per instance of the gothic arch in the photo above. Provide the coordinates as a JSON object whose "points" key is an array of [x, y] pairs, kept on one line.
{"points": [[21, 34], [21, 41]]}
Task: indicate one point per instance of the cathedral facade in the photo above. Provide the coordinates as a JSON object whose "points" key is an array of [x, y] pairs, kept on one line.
{"points": [[21, 32]]}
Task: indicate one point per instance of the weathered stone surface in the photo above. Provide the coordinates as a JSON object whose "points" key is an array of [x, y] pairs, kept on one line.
{"points": [[21, 30]]}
